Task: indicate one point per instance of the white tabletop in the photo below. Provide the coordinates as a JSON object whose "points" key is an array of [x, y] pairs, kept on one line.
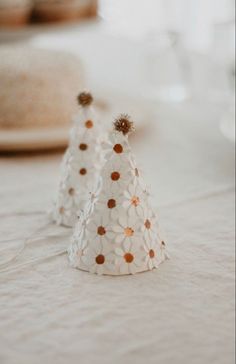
{"points": [[181, 313]]}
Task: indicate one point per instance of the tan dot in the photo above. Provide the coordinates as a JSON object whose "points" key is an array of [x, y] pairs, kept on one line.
{"points": [[115, 176], [71, 191], [61, 210], [101, 230], [118, 148], [147, 224], [128, 257], [83, 146], [89, 124], [111, 203], [151, 253], [100, 259], [83, 171], [128, 231], [136, 172], [135, 201]]}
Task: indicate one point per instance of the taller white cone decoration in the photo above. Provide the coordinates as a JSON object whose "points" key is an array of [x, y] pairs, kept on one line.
{"points": [[119, 233], [81, 164]]}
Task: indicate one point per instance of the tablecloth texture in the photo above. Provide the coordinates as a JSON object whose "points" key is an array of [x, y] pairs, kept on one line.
{"points": [[181, 313]]}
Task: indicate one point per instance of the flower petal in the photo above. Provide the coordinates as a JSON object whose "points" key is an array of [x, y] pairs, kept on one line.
{"points": [[119, 238], [119, 252], [127, 245], [132, 268], [124, 269]]}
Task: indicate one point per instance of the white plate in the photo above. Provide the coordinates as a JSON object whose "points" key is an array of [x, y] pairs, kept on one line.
{"points": [[36, 139]]}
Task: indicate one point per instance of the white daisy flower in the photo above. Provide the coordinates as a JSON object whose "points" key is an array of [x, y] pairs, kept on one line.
{"points": [[153, 255], [89, 199], [128, 258], [109, 203], [149, 225], [136, 173], [71, 195], [117, 147], [62, 214], [126, 229], [116, 176], [74, 196], [84, 146], [98, 229], [83, 172], [66, 206], [76, 253], [86, 123], [135, 200], [97, 258]]}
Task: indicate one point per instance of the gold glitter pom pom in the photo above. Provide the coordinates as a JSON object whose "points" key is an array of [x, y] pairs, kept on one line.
{"points": [[124, 124], [85, 98]]}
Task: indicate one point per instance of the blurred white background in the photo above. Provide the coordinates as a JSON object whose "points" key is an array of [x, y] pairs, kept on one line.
{"points": [[193, 19], [162, 50], [157, 51], [203, 26]]}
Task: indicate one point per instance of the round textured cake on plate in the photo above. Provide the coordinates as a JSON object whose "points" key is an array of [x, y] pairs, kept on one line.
{"points": [[37, 97], [63, 10], [14, 12]]}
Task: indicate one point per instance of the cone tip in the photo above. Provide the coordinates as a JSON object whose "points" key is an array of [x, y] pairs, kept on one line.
{"points": [[85, 98], [124, 124]]}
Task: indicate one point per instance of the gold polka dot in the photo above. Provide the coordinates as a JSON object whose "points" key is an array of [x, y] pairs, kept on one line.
{"points": [[83, 171], [111, 203], [89, 124], [71, 191], [83, 146], [118, 148], [101, 230], [128, 257], [135, 201], [147, 224], [151, 253], [128, 231], [100, 259], [115, 176]]}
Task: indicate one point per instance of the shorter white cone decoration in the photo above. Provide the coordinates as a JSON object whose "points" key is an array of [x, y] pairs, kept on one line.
{"points": [[81, 165], [118, 233]]}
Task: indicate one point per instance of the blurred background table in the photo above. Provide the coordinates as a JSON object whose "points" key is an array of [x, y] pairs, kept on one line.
{"points": [[182, 312]]}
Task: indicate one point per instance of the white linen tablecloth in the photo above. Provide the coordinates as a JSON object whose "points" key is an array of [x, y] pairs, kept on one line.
{"points": [[181, 313]]}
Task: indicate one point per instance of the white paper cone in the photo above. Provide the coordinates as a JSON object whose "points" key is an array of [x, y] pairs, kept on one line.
{"points": [[80, 169], [119, 235]]}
